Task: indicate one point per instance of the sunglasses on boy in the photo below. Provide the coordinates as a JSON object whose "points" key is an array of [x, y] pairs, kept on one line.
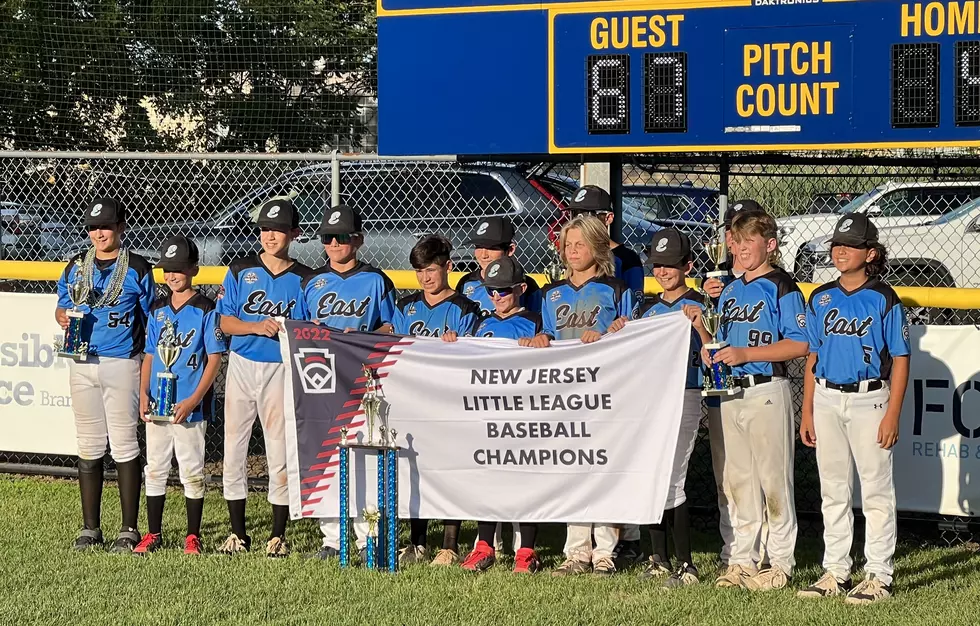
{"points": [[499, 292], [600, 214], [342, 240]]}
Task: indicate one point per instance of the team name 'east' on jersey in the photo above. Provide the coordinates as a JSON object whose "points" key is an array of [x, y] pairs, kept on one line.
{"points": [[656, 305], [856, 334], [117, 330], [251, 292], [761, 312], [516, 326], [414, 316], [568, 311], [362, 298], [198, 330]]}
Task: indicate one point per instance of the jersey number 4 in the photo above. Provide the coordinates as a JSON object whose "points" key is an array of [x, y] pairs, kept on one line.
{"points": [[116, 319], [193, 362]]}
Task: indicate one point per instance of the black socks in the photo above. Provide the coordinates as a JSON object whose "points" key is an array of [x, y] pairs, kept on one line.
{"points": [[236, 512], [129, 475], [91, 473]]}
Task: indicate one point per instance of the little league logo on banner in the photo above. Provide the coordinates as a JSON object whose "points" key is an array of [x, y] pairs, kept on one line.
{"points": [[490, 430]]}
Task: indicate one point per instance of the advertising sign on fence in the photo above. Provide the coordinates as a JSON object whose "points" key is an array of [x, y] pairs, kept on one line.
{"points": [[35, 403], [489, 430]]}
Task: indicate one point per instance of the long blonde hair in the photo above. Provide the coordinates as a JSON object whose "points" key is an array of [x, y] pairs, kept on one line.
{"points": [[596, 236]]}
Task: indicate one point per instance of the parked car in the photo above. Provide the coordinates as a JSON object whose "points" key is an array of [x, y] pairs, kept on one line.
{"points": [[821, 203], [890, 204], [32, 232], [400, 202]]}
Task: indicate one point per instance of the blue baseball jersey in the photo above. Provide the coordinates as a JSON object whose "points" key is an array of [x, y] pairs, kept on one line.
{"points": [[196, 324], [414, 316], [856, 334], [568, 311], [117, 330], [629, 269], [656, 305], [471, 286], [761, 312], [517, 326], [252, 293], [362, 298]]}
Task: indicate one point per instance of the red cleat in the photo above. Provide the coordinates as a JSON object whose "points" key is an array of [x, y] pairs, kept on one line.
{"points": [[192, 545], [481, 558], [526, 561], [150, 542]]}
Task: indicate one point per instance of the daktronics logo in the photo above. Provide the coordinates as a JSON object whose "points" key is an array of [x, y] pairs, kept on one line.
{"points": [[316, 370], [28, 353]]}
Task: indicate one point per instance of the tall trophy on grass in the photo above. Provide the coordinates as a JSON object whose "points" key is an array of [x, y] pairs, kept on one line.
{"points": [[71, 346], [168, 351], [718, 381]]}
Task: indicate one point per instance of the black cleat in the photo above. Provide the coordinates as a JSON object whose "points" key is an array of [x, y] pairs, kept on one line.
{"points": [[626, 554], [127, 540], [89, 540]]}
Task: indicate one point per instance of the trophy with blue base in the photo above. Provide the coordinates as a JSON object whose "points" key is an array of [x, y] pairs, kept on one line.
{"points": [[382, 540], [168, 351], [72, 346], [718, 381]]}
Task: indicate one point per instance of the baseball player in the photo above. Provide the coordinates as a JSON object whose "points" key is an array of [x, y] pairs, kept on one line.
{"points": [[198, 333], [763, 321], [105, 387], [505, 282], [670, 255], [493, 238], [584, 306], [629, 268], [853, 389], [257, 289], [346, 295], [435, 311]]}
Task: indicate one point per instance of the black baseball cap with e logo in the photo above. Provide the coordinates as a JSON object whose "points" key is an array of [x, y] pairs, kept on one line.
{"points": [[855, 230], [177, 254], [492, 231], [340, 220], [669, 247], [279, 214], [504, 273], [104, 212], [590, 199]]}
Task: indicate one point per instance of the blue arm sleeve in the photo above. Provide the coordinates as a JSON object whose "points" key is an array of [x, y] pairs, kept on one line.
{"points": [[214, 339], [149, 292], [64, 302], [812, 328], [388, 308], [897, 331], [792, 318], [467, 324], [548, 319], [228, 300]]}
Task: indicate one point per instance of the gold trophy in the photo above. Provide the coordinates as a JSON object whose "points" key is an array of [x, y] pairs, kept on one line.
{"points": [[72, 346], [718, 381], [168, 351], [554, 271], [717, 251]]}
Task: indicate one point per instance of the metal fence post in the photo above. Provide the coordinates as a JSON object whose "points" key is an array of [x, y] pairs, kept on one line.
{"points": [[335, 179]]}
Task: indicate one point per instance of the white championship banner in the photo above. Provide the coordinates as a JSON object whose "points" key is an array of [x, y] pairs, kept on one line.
{"points": [[937, 458], [490, 430], [35, 400]]}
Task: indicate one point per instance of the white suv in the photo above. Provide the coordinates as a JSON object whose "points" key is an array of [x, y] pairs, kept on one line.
{"points": [[890, 204]]}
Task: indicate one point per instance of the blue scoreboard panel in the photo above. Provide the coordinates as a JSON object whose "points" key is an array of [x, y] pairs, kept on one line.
{"points": [[500, 77]]}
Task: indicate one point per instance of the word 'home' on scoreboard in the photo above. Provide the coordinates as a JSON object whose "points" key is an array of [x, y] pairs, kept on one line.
{"points": [[586, 76]]}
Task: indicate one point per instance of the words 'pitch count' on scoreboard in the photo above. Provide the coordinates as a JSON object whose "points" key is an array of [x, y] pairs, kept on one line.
{"points": [[582, 76]]}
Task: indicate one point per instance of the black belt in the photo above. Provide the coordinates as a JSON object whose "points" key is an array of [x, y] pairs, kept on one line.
{"points": [[869, 385], [752, 380]]}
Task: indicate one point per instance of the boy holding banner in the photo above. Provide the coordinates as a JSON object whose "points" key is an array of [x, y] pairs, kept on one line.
{"points": [[764, 323], [435, 311], [853, 389], [584, 306]]}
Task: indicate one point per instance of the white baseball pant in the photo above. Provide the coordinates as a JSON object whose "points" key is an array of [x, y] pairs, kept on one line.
{"points": [[251, 388], [846, 426], [105, 401], [578, 541], [186, 441], [726, 505], [759, 432], [330, 527]]}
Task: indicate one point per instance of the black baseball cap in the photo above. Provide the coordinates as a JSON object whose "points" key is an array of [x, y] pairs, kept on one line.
{"points": [[492, 232], [737, 207], [854, 230], [103, 212], [340, 220], [591, 199], [503, 273], [178, 254], [669, 247], [278, 215]]}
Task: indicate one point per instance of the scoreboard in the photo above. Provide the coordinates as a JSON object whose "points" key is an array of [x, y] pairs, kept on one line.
{"points": [[584, 76]]}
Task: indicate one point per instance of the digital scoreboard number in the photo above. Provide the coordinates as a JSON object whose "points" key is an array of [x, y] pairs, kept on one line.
{"points": [[620, 76]]}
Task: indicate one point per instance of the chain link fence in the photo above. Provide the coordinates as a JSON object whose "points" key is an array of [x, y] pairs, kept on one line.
{"points": [[923, 202]]}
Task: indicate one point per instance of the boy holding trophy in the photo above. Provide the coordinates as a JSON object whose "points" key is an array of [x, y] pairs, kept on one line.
{"points": [[763, 323], [109, 292], [184, 343]]}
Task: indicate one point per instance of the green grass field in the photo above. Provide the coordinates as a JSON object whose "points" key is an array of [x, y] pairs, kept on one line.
{"points": [[42, 581]]}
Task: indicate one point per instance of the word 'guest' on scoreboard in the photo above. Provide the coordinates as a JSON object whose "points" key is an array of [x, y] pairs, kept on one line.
{"points": [[584, 76]]}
